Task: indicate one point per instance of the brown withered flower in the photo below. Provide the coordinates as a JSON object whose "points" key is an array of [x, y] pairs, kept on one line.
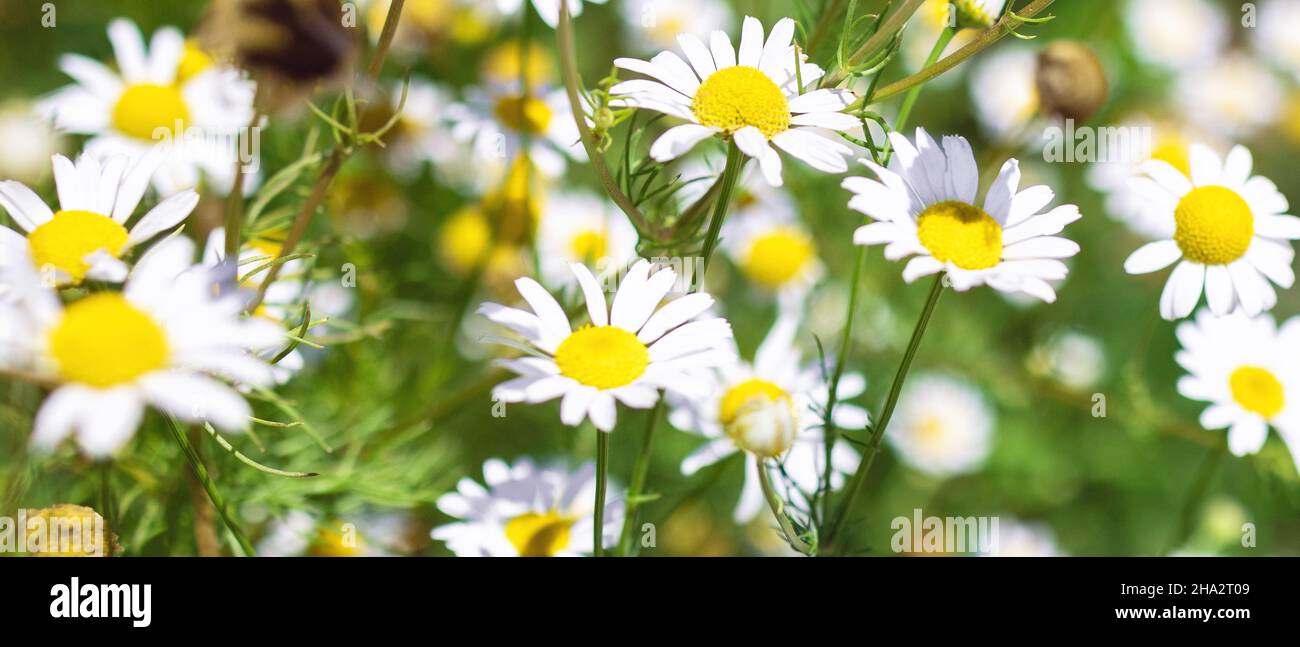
{"points": [[1070, 80], [291, 47]]}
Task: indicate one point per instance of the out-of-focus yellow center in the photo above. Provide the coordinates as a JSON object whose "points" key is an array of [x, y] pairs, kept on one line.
{"points": [[103, 341], [1214, 225], [589, 245], [740, 96], [146, 111], [778, 256], [1173, 151], [931, 431], [605, 357], [193, 62], [1257, 390], [960, 233], [331, 542], [525, 114], [539, 535], [503, 64], [66, 239], [465, 239]]}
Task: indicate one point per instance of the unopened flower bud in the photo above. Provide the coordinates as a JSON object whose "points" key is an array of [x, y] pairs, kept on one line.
{"points": [[1070, 80], [760, 418]]}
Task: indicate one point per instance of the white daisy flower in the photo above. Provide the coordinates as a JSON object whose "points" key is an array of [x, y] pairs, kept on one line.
{"points": [[1072, 358], [751, 96], [770, 409], [655, 24], [160, 95], [1274, 36], [924, 206], [367, 535], [283, 300], [162, 341], [1004, 91], [1141, 139], [1017, 538], [526, 511], [772, 249], [582, 228], [497, 120], [1230, 234], [549, 10], [1244, 367], [1176, 34], [625, 354], [942, 427], [87, 238], [1235, 95], [420, 132], [30, 142]]}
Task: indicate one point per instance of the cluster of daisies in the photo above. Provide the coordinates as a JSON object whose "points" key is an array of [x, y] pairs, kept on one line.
{"points": [[111, 306], [657, 339]]}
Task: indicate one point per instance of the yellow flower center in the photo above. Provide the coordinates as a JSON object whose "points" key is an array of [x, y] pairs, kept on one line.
{"points": [[465, 239], [1257, 390], [502, 65], [330, 542], [589, 245], [961, 234], [526, 114], [741, 96], [144, 109], [193, 62], [1214, 225], [70, 236], [539, 535], [605, 357], [970, 13], [1173, 150], [103, 341], [931, 432], [778, 256]]}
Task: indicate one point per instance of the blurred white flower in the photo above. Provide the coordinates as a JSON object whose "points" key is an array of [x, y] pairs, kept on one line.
{"points": [[942, 426], [1176, 34]]}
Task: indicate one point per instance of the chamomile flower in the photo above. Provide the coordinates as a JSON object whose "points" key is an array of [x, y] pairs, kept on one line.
{"points": [[922, 31], [549, 10], [163, 341], [1004, 93], [1235, 95], [582, 228], [30, 143], [924, 207], [624, 354], [303, 534], [1017, 538], [282, 302], [655, 24], [500, 121], [1230, 235], [1176, 34], [1244, 367], [1141, 138], [1275, 35], [773, 250], [942, 427], [163, 93], [87, 238], [769, 410], [751, 96], [526, 511]]}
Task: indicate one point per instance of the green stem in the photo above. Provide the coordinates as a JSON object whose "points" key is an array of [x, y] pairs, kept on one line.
{"points": [[880, 39], [1005, 25], [1196, 496], [639, 471], [778, 510], [878, 433], [729, 176], [602, 469], [107, 503], [828, 421], [209, 486]]}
